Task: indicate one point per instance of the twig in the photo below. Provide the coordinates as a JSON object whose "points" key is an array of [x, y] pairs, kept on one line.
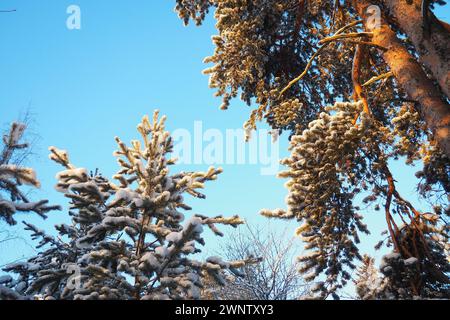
{"points": [[317, 53], [308, 66], [346, 36], [366, 43], [348, 26], [376, 78]]}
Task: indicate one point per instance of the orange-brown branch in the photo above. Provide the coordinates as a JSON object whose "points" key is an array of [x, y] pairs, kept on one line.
{"points": [[412, 79], [358, 93], [434, 49], [389, 219]]}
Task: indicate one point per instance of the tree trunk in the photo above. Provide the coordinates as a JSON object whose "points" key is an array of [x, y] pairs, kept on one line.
{"points": [[434, 48], [411, 77]]}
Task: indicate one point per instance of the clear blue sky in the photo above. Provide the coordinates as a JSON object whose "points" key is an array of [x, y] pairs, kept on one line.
{"points": [[87, 86]]}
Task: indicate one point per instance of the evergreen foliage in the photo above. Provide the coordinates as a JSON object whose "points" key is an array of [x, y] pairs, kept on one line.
{"points": [[294, 59], [130, 240]]}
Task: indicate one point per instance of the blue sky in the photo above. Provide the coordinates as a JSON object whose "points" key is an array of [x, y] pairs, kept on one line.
{"points": [[86, 86]]}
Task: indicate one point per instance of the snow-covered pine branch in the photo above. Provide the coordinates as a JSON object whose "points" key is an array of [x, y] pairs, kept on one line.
{"points": [[14, 175], [333, 161], [323, 182]]}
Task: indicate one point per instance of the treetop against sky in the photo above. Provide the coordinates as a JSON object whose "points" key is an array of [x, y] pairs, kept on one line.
{"points": [[88, 71]]}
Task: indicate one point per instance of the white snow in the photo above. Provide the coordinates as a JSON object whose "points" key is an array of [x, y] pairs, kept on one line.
{"points": [[25, 176], [8, 293], [174, 237], [80, 174], [18, 129], [161, 251], [111, 221], [196, 223], [150, 260], [218, 261], [5, 279], [8, 205], [411, 261], [125, 194], [129, 196]]}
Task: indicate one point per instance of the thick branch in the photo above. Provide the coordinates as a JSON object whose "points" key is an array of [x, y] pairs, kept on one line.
{"points": [[410, 76], [434, 48]]}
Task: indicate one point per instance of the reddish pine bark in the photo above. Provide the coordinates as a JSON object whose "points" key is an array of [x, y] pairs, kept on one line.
{"points": [[411, 77], [434, 48]]}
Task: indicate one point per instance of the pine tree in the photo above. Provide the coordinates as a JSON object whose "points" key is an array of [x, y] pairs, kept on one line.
{"points": [[397, 277], [13, 198], [263, 46], [128, 240], [367, 281], [294, 59], [13, 175]]}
